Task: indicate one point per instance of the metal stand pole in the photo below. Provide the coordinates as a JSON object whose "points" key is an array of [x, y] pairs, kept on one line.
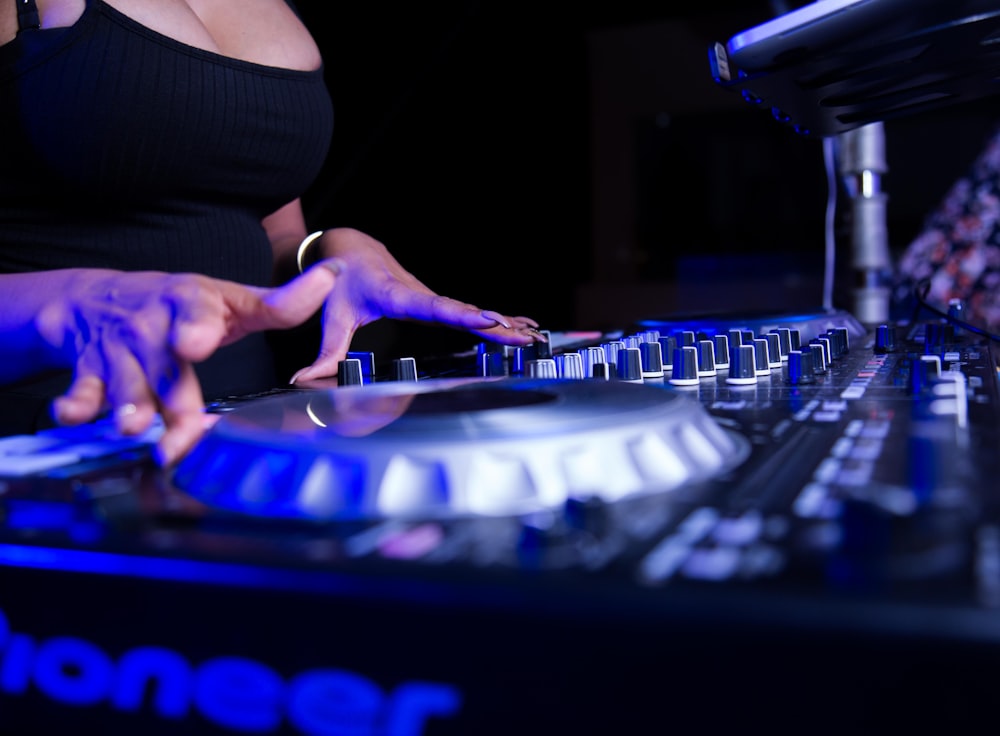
{"points": [[862, 164]]}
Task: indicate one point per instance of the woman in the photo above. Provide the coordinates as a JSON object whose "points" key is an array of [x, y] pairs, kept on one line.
{"points": [[153, 156]]}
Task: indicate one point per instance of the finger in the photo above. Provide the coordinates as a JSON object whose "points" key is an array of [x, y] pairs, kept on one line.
{"points": [[298, 300], [524, 322], [182, 432], [124, 389], [82, 402], [87, 396], [339, 326], [484, 323], [204, 322], [140, 366], [516, 323], [512, 336], [430, 307], [158, 379], [197, 313], [130, 387], [184, 419], [451, 312]]}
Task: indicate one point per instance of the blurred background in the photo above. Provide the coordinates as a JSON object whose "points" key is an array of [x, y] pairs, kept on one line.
{"points": [[580, 165]]}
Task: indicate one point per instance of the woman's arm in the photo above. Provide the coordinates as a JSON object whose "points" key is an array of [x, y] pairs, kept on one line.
{"points": [[286, 228]]}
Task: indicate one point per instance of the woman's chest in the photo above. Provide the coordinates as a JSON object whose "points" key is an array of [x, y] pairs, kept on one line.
{"points": [[263, 32]]}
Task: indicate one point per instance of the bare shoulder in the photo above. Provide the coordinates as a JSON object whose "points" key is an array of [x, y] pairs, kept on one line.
{"points": [[8, 21], [51, 13]]}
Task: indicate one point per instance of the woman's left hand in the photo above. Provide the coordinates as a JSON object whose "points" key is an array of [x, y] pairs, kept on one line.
{"points": [[374, 285]]}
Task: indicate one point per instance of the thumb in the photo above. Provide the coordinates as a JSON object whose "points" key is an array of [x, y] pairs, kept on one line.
{"points": [[298, 300]]}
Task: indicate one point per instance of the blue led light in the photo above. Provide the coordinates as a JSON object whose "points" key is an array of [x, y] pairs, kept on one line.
{"points": [[238, 575], [184, 570], [236, 693], [25, 514]]}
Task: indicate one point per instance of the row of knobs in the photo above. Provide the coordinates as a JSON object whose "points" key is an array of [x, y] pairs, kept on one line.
{"points": [[683, 359], [938, 338], [687, 356], [359, 368], [926, 374]]}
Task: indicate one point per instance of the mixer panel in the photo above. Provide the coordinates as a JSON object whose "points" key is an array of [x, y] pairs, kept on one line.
{"points": [[526, 541]]}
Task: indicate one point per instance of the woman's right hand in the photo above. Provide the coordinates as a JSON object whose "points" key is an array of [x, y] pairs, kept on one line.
{"points": [[132, 339]]}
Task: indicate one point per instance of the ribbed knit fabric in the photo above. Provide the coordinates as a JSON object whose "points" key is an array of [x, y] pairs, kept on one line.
{"points": [[126, 149], [123, 148]]}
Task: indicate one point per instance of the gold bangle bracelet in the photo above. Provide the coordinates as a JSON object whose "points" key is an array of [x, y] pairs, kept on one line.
{"points": [[303, 247]]}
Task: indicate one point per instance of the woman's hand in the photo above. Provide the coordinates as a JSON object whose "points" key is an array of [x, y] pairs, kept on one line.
{"points": [[374, 285], [132, 340]]}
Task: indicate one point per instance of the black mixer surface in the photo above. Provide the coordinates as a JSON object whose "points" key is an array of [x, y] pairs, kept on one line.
{"points": [[697, 523]]}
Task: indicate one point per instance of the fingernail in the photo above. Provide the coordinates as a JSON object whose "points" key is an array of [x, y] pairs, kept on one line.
{"points": [[296, 376], [496, 317], [126, 410], [336, 265], [540, 336]]}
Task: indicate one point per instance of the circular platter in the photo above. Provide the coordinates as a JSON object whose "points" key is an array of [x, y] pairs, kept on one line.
{"points": [[454, 447]]}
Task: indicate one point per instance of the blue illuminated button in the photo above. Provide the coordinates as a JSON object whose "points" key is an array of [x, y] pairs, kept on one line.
{"points": [[800, 367], [885, 339]]}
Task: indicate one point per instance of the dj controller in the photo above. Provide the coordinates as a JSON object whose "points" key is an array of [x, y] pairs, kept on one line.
{"points": [[781, 522]]}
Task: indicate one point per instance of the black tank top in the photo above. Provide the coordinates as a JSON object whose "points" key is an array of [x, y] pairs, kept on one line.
{"points": [[123, 148]]}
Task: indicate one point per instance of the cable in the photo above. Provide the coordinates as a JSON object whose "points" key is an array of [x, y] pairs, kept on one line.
{"points": [[920, 291]]}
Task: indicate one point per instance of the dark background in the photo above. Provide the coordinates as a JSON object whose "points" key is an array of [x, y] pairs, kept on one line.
{"points": [[465, 140]]}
